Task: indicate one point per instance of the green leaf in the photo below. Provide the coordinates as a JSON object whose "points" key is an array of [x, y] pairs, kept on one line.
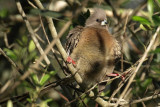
{"points": [[9, 103], [48, 100], [19, 42], [10, 54], [81, 19], [158, 2], [44, 103], [45, 13], [29, 100], [46, 77], [3, 13], [158, 58], [142, 27], [156, 20], [155, 69], [87, 14], [35, 78], [157, 50], [142, 20], [24, 40], [146, 83], [150, 6], [145, 27], [30, 57], [31, 46]]}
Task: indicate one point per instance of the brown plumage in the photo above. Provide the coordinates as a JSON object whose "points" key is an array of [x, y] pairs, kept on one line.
{"points": [[93, 49]]}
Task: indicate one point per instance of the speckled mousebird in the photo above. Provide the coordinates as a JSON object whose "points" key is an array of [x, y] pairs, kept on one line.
{"points": [[92, 49]]}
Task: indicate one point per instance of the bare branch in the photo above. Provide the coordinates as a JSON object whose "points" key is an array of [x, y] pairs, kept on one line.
{"points": [[58, 43], [140, 63], [17, 69], [31, 31]]}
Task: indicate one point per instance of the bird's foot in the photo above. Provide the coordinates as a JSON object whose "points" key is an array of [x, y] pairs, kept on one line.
{"points": [[116, 74], [70, 60]]}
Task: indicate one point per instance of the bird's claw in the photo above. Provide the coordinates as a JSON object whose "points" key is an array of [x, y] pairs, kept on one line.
{"points": [[70, 60], [116, 74]]}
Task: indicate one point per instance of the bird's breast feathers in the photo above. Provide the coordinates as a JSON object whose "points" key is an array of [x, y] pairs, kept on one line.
{"points": [[96, 41]]}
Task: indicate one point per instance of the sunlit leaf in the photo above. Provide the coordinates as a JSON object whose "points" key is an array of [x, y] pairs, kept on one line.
{"points": [[31, 46], [142, 27], [150, 6], [43, 104], [35, 78], [10, 54], [48, 100], [46, 77], [29, 100], [145, 27], [9, 103], [142, 20]]}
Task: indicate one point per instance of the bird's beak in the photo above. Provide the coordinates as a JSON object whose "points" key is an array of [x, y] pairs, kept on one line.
{"points": [[104, 22]]}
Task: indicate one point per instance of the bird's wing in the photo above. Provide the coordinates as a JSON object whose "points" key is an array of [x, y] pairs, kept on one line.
{"points": [[72, 39], [117, 50]]}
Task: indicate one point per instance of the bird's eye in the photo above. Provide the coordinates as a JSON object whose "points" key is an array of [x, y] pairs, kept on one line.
{"points": [[97, 20]]}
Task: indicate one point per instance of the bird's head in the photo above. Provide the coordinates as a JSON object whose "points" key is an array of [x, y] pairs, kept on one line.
{"points": [[98, 19]]}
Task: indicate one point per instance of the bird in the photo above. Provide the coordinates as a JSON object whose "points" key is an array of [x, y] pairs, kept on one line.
{"points": [[92, 49]]}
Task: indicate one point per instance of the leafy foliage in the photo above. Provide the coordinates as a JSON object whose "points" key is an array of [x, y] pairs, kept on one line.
{"points": [[47, 85]]}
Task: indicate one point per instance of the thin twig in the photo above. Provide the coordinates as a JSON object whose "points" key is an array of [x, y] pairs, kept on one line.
{"points": [[32, 69], [122, 83], [46, 36], [58, 43], [139, 65], [37, 36], [17, 69], [136, 10], [31, 4], [113, 9], [145, 99], [122, 37], [31, 31]]}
